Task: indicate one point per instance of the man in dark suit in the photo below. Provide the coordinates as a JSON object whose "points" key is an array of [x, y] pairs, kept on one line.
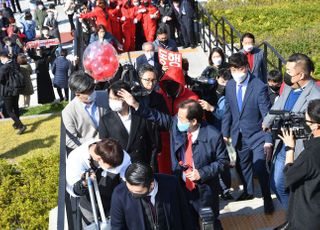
{"points": [[198, 153], [257, 63], [246, 104], [134, 133], [149, 201], [185, 14], [149, 57]]}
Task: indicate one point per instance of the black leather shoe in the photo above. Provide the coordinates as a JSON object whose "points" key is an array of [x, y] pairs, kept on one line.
{"points": [[227, 196], [22, 129], [15, 126], [245, 196], [284, 226], [268, 206]]}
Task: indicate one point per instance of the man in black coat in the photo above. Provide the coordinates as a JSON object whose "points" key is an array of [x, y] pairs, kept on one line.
{"points": [[134, 133], [147, 201], [9, 94]]}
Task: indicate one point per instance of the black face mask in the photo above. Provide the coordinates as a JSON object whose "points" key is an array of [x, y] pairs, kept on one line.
{"points": [[171, 88], [164, 43], [113, 5], [287, 79], [146, 4], [220, 89], [275, 88]]}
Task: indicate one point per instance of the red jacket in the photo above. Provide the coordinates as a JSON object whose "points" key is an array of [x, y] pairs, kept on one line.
{"points": [[128, 28], [114, 17], [149, 24], [101, 17], [176, 74]]}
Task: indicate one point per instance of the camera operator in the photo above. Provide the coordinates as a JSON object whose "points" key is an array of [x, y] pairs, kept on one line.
{"points": [[103, 159], [300, 88], [302, 176]]}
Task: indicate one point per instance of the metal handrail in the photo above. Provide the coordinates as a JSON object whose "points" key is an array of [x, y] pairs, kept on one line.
{"points": [[225, 36], [64, 200]]}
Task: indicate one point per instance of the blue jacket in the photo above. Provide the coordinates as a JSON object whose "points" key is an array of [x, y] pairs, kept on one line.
{"points": [[209, 152], [127, 212], [60, 69], [256, 104]]}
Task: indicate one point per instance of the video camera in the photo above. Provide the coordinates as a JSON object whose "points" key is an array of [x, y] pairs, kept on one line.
{"points": [[289, 120], [203, 86]]}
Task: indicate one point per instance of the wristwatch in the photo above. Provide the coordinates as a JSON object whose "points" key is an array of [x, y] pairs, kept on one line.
{"points": [[288, 148]]}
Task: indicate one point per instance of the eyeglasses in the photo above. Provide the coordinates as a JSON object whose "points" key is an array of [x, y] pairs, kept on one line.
{"points": [[149, 80]]}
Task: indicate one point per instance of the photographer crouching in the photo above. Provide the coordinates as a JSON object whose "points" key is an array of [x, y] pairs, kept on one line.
{"points": [[302, 176]]}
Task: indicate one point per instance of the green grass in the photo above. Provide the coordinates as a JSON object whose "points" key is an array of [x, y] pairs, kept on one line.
{"points": [[290, 26], [43, 109], [29, 171]]}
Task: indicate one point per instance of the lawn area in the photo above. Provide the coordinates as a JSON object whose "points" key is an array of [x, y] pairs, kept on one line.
{"points": [[29, 169], [290, 26]]}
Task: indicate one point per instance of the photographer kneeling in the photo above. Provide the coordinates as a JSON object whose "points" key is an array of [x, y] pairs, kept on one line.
{"points": [[302, 176], [103, 159]]}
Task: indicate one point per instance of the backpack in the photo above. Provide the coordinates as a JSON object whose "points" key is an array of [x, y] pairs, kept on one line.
{"points": [[15, 83], [29, 31]]}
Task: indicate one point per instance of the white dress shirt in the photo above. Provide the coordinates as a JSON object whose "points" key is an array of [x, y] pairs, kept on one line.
{"points": [[126, 121], [153, 193]]}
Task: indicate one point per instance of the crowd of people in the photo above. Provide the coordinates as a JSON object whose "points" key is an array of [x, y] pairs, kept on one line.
{"points": [[128, 24], [159, 153], [179, 126], [19, 48]]}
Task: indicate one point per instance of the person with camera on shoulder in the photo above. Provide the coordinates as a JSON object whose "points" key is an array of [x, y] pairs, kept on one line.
{"points": [[302, 175], [299, 90]]}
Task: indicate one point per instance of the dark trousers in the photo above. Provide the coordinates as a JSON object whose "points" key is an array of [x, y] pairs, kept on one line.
{"points": [[196, 201], [13, 2], [12, 107], [187, 29], [225, 180], [70, 18], [252, 160], [66, 93]]}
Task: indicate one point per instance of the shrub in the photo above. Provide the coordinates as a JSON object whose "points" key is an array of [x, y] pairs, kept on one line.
{"points": [[289, 26], [28, 191]]}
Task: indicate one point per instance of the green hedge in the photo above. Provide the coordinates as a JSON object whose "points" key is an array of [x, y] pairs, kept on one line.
{"points": [[28, 191], [290, 26]]}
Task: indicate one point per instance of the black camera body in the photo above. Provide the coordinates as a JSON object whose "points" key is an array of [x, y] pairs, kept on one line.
{"points": [[289, 120]]}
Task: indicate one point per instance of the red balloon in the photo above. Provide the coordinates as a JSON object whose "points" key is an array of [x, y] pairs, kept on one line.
{"points": [[100, 60]]}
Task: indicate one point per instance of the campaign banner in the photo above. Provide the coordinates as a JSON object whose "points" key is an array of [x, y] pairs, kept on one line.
{"points": [[169, 58], [42, 43]]}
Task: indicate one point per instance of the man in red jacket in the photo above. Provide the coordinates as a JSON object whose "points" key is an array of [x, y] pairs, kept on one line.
{"points": [[149, 20], [100, 14], [114, 13], [128, 25], [173, 90]]}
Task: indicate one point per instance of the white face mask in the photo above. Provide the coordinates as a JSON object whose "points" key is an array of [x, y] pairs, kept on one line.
{"points": [[149, 55], [217, 61], [92, 97], [136, 3], [40, 7], [239, 77], [248, 48], [115, 105]]}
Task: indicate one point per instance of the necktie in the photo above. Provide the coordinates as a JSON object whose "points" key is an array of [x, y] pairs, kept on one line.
{"points": [[239, 97], [152, 208], [189, 161]]}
